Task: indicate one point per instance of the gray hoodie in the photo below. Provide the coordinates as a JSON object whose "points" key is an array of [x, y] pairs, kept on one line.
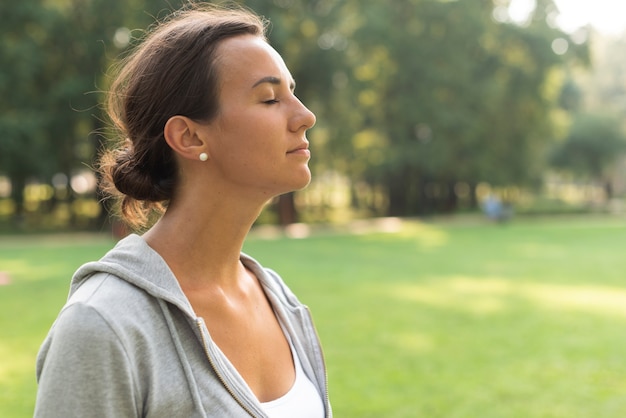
{"points": [[128, 344]]}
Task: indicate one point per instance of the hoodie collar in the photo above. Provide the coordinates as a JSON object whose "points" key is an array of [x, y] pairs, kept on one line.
{"points": [[134, 261]]}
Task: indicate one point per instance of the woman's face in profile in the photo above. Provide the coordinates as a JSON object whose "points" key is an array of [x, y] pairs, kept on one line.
{"points": [[258, 138]]}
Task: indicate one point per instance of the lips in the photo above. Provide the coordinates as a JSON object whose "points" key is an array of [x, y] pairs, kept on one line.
{"points": [[302, 148]]}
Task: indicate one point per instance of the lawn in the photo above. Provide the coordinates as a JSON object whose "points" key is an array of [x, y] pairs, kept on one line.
{"points": [[436, 319]]}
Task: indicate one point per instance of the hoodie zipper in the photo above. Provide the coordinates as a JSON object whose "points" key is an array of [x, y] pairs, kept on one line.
{"points": [[319, 344], [217, 372]]}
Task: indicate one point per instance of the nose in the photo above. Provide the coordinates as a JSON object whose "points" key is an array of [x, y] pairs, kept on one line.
{"points": [[302, 118]]}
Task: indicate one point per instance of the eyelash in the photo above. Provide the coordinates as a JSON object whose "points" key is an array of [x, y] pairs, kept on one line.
{"points": [[271, 102]]}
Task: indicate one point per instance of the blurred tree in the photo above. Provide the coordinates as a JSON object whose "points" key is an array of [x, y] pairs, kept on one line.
{"points": [[24, 108], [412, 96], [603, 86], [454, 97], [54, 57], [594, 145], [571, 96]]}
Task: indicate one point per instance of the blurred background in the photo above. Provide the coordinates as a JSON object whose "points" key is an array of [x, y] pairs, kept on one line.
{"points": [[424, 107], [432, 115]]}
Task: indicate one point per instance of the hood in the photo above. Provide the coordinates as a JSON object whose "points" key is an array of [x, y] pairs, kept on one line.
{"points": [[134, 261]]}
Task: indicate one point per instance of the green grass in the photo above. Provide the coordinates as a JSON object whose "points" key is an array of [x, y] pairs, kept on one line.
{"points": [[439, 319]]}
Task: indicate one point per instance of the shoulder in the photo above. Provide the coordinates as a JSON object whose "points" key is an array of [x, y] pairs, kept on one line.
{"points": [[106, 311], [106, 322], [100, 308], [82, 328], [88, 352], [111, 298]]}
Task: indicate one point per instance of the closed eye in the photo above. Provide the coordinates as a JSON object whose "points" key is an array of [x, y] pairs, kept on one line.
{"points": [[271, 101]]}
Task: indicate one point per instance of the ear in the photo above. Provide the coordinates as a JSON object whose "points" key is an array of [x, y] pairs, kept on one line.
{"points": [[181, 134]]}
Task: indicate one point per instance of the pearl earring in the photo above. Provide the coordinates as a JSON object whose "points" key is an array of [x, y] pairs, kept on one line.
{"points": [[203, 156]]}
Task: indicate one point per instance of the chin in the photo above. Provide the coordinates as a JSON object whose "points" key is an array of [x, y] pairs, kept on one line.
{"points": [[302, 187], [297, 183], [306, 180]]}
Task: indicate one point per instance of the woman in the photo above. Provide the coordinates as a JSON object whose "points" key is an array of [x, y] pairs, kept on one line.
{"points": [[178, 322]]}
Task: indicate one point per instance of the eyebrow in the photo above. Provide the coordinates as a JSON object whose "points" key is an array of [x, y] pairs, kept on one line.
{"points": [[275, 81]]}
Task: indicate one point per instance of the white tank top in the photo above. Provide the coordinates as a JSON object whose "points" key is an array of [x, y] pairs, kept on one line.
{"points": [[302, 400]]}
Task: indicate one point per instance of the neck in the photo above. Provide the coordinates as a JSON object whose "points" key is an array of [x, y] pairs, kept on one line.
{"points": [[202, 243]]}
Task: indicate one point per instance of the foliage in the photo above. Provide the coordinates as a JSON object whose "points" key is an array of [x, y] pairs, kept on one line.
{"points": [[594, 144], [413, 97], [591, 149], [604, 88], [55, 55], [27, 30], [526, 322], [464, 98]]}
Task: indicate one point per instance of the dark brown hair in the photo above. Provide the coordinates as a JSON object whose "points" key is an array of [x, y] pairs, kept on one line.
{"points": [[172, 72]]}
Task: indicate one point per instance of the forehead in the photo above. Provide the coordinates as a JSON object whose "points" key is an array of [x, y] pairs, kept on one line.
{"points": [[243, 60]]}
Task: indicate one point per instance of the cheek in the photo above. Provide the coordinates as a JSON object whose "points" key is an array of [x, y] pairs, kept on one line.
{"points": [[248, 158], [248, 141]]}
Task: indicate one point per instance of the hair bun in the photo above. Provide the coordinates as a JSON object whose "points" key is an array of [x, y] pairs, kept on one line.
{"points": [[133, 181]]}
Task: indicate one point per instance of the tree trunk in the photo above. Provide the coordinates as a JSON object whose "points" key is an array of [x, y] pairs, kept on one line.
{"points": [[287, 213], [608, 189], [472, 196], [397, 199], [451, 199], [18, 184]]}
